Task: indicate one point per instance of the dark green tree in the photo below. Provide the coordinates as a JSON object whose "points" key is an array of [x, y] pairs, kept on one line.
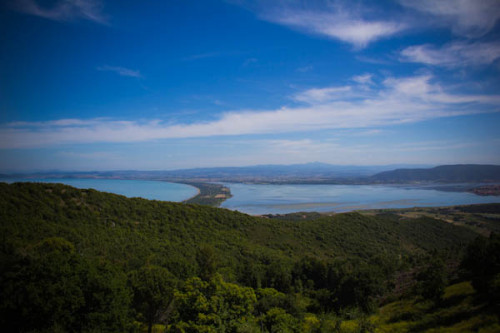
{"points": [[50, 287], [213, 306], [354, 284], [153, 289], [432, 280], [278, 276], [482, 264], [277, 320], [311, 272], [43, 289], [268, 298], [207, 260], [107, 298]]}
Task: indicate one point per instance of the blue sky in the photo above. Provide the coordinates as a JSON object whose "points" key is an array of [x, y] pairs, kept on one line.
{"points": [[108, 85]]}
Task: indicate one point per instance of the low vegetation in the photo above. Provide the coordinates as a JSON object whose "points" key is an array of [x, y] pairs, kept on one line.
{"points": [[480, 218], [86, 261], [210, 194]]}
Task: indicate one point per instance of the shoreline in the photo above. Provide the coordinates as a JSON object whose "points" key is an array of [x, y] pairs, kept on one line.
{"points": [[198, 192], [209, 194]]}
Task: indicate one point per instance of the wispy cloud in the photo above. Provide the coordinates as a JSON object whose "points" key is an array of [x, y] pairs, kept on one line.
{"points": [[361, 23], [297, 147], [321, 95], [120, 71], [334, 21], [456, 54], [369, 132], [434, 145], [394, 101], [469, 18], [365, 79], [64, 10]]}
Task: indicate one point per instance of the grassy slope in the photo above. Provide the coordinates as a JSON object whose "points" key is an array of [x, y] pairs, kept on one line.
{"points": [[460, 311]]}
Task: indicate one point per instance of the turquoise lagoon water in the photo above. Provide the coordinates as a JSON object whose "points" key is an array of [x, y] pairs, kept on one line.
{"points": [[282, 199], [147, 189]]}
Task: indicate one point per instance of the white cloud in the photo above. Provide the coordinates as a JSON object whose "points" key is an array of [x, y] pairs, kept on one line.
{"points": [[420, 91], [362, 23], [397, 100], [363, 79], [335, 22], [64, 10], [120, 71], [434, 145], [320, 95], [299, 146], [370, 132], [456, 54], [469, 18]]}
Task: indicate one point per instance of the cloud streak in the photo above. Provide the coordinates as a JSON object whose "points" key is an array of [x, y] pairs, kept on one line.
{"points": [[361, 25], [334, 21], [64, 10], [394, 101], [456, 54], [468, 18], [320, 95], [122, 71]]}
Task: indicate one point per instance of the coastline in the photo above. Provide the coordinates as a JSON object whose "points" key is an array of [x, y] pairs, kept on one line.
{"points": [[198, 192], [209, 194]]}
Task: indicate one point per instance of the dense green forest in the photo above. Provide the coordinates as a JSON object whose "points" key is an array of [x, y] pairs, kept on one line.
{"points": [[86, 261]]}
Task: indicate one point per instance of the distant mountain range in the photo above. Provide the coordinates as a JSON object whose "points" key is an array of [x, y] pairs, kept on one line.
{"points": [[316, 172], [313, 170], [310, 173]]}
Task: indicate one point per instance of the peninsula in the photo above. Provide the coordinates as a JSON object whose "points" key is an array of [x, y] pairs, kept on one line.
{"points": [[209, 194]]}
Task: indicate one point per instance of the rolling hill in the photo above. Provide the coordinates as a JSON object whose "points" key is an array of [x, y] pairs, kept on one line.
{"points": [[461, 173], [87, 261]]}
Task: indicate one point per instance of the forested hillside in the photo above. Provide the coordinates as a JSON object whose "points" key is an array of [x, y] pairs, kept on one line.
{"points": [[83, 260], [461, 173]]}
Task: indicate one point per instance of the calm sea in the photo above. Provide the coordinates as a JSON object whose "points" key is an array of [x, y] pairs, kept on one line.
{"points": [[281, 199], [148, 189]]}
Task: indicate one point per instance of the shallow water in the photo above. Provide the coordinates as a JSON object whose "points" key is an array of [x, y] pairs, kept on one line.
{"points": [[282, 199], [147, 189]]}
